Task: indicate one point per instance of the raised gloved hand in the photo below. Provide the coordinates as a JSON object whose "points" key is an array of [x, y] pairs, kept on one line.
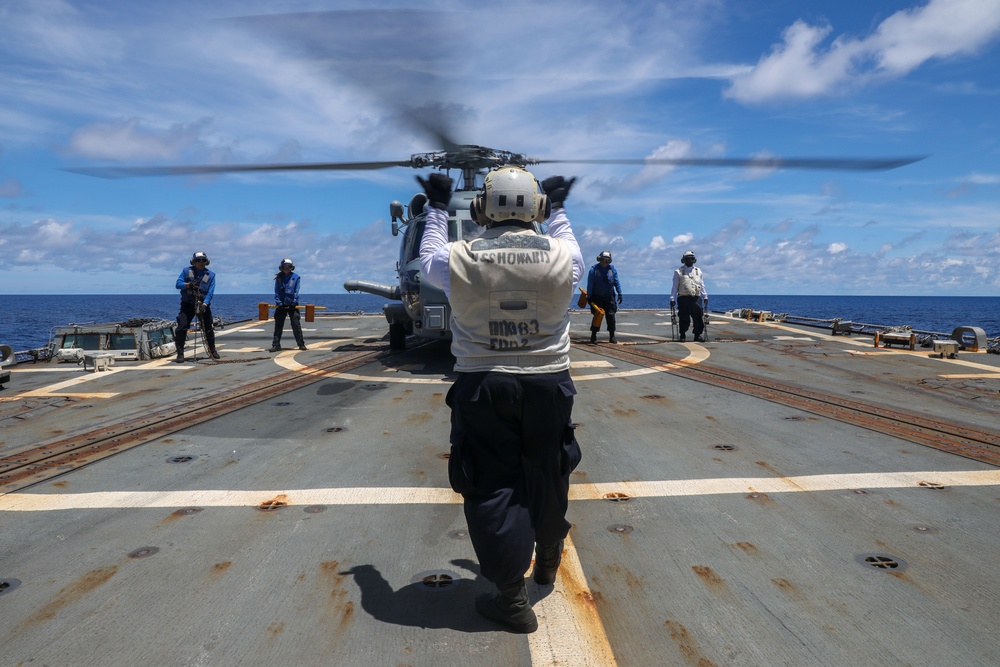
{"points": [[437, 187], [557, 189], [619, 298]]}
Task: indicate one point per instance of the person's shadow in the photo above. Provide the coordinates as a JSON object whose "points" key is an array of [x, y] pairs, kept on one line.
{"points": [[423, 606]]}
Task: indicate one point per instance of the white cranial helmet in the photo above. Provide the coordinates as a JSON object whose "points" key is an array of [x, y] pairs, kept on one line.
{"points": [[510, 193]]}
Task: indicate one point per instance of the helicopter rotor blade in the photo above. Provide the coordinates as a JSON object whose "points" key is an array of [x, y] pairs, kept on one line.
{"points": [[830, 164], [194, 170], [407, 80]]}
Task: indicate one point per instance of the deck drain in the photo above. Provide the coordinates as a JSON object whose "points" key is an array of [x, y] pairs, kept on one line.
{"points": [[282, 403], [927, 530], [884, 562], [335, 429], [142, 552], [794, 418], [373, 386], [436, 581], [932, 485], [459, 534], [7, 585], [184, 458], [617, 497], [860, 491], [726, 448], [314, 509], [620, 528], [187, 510], [652, 397]]}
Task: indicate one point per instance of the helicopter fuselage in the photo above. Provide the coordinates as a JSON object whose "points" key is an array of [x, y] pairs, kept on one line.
{"points": [[417, 307]]}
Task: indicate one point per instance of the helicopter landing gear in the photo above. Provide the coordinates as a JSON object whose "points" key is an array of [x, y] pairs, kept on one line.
{"points": [[397, 336]]}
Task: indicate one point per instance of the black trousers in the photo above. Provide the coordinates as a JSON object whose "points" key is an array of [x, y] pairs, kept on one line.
{"points": [[512, 451], [689, 308], [184, 320], [610, 308], [279, 324]]}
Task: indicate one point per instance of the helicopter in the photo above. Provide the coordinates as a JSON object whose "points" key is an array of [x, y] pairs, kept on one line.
{"points": [[415, 308]]}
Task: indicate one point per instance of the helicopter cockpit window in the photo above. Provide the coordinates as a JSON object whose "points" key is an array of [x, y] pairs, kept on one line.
{"points": [[470, 230], [411, 246]]}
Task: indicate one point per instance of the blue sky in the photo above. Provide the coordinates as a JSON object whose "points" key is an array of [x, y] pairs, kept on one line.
{"points": [[111, 82]]}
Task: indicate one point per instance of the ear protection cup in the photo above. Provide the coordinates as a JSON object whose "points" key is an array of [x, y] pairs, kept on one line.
{"points": [[544, 208], [477, 210]]}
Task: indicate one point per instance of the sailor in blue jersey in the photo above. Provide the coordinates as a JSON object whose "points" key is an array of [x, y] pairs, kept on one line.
{"points": [[602, 284], [197, 285], [512, 440], [286, 301]]}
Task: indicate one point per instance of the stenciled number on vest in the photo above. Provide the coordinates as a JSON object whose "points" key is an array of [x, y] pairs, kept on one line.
{"points": [[510, 331]]}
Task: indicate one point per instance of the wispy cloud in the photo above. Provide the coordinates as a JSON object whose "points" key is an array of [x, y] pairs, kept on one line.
{"points": [[804, 66]]}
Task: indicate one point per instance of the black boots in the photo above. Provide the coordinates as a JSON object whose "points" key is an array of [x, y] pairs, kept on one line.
{"points": [[180, 357], [612, 339], [276, 347], [215, 355], [593, 336], [547, 561], [509, 607]]}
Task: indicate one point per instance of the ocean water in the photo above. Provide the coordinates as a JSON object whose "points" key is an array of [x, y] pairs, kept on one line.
{"points": [[27, 321]]}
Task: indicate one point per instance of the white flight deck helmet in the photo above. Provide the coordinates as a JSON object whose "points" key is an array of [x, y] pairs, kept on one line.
{"points": [[199, 256], [688, 255], [510, 193], [605, 254], [286, 262]]}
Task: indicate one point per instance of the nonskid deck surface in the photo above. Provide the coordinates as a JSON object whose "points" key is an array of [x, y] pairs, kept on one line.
{"points": [[303, 516]]}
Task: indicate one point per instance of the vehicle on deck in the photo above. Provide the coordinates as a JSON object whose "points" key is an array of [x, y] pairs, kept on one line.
{"points": [[134, 339]]}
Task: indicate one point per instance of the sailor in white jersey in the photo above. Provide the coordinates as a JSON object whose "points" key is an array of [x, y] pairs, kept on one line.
{"points": [[689, 292], [512, 441]]}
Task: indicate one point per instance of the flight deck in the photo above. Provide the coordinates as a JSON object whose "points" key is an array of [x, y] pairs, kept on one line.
{"points": [[776, 495]]}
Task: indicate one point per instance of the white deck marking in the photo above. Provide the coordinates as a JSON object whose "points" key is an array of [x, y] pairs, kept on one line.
{"points": [[809, 338], [401, 495], [591, 364], [570, 631], [972, 376], [49, 390]]}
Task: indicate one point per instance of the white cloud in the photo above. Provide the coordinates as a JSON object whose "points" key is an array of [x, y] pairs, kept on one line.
{"points": [[657, 243], [682, 239], [800, 67], [127, 140], [836, 248]]}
